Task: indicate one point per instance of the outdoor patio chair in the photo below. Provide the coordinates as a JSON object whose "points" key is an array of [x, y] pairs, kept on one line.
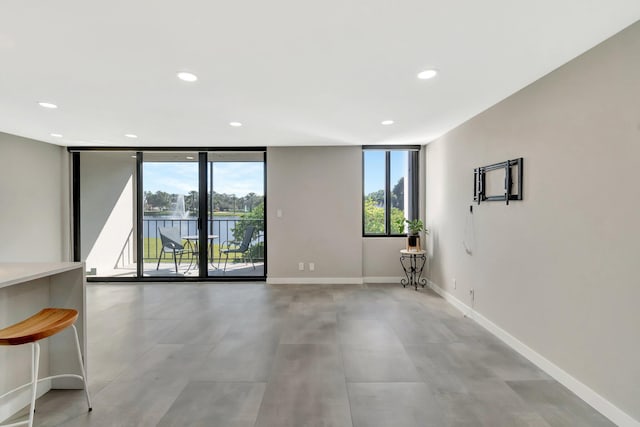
{"points": [[171, 242], [233, 247]]}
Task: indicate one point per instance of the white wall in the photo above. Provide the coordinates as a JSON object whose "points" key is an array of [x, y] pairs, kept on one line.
{"points": [[107, 210], [381, 258], [318, 190], [34, 195], [558, 270]]}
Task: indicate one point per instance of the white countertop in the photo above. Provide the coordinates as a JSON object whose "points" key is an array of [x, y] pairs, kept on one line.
{"points": [[12, 273]]}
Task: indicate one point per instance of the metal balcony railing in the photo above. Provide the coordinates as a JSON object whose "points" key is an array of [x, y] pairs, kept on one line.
{"points": [[223, 228]]}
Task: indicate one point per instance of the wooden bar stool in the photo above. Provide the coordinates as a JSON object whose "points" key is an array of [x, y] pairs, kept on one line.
{"points": [[46, 323]]}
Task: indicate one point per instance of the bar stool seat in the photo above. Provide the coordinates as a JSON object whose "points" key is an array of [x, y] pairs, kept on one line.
{"points": [[46, 323]]}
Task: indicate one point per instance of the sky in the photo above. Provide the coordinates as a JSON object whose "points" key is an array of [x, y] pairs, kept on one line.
{"points": [[239, 178], [374, 169]]}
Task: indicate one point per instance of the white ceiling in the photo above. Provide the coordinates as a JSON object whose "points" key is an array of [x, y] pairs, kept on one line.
{"points": [[294, 72]]}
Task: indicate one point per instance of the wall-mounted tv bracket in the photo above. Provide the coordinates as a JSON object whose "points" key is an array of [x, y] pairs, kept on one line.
{"points": [[479, 181]]}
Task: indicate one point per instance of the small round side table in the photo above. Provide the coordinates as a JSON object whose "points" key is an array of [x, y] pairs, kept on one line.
{"points": [[413, 263]]}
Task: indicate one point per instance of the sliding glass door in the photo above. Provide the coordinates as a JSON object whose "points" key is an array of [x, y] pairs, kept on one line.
{"points": [[236, 221], [170, 215]]}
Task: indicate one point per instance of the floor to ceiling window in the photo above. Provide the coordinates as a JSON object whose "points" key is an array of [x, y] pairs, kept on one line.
{"points": [[236, 212], [170, 215], [107, 237]]}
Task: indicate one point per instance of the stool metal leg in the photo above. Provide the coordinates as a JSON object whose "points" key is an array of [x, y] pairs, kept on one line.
{"points": [[35, 363], [84, 373]]}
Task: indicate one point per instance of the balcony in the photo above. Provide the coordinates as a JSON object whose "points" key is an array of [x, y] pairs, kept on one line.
{"points": [[224, 230]]}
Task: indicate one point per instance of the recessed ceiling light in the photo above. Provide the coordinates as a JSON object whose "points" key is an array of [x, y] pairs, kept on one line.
{"points": [[47, 105], [130, 135], [187, 77], [190, 157], [386, 122], [235, 124], [56, 135], [427, 74]]}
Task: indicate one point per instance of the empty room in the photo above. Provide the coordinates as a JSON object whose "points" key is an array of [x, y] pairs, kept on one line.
{"points": [[289, 214]]}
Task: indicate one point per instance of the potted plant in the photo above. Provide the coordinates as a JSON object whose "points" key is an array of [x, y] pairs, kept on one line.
{"points": [[414, 227]]}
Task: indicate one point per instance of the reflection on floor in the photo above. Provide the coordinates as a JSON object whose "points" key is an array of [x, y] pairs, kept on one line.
{"points": [[185, 269], [255, 355]]}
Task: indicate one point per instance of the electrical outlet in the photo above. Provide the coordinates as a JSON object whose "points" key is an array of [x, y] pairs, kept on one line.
{"points": [[312, 266], [301, 266], [455, 283]]}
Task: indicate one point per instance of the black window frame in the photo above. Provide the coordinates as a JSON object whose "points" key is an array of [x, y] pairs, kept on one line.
{"points": [[413, 173], [139, 154]]}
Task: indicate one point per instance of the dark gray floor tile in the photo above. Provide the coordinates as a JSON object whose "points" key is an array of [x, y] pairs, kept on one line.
{"points": [[419, 329], [373, 334], [495, 403], [448, 367], [557, 405], [300, 401], [238, 357], [467, 410], [217, 404], [503, 361], [136, 403], [465, 328], [306, 388], [308, 362], [529, 419], [393, 404], [259, 326], [378, 365], [314, 328], [167, 361], [367, 304], [195, 329], [458, 409]]}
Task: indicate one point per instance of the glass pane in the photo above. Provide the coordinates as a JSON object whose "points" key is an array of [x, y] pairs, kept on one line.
{"points": [[374, 197], [399, 180], [236, 214], [170, 220], [107, 209]]}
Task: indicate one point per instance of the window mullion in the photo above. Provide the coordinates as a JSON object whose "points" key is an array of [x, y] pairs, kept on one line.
{"points": [[414, 211], [387, 194]]}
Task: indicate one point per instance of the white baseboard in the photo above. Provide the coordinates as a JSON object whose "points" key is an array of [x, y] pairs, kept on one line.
{"points": [[381, 279], [314, 280], [331, 280], [599, 403], [18, 401]]}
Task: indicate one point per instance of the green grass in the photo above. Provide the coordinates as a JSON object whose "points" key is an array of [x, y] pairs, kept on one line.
{"points": [[237, 213]]}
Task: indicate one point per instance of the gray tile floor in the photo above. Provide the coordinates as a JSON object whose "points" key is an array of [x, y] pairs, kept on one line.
{"points": [[277, 356]]}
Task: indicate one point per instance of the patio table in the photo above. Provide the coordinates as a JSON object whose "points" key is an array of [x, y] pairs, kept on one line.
{"points": [[192, 241]]}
